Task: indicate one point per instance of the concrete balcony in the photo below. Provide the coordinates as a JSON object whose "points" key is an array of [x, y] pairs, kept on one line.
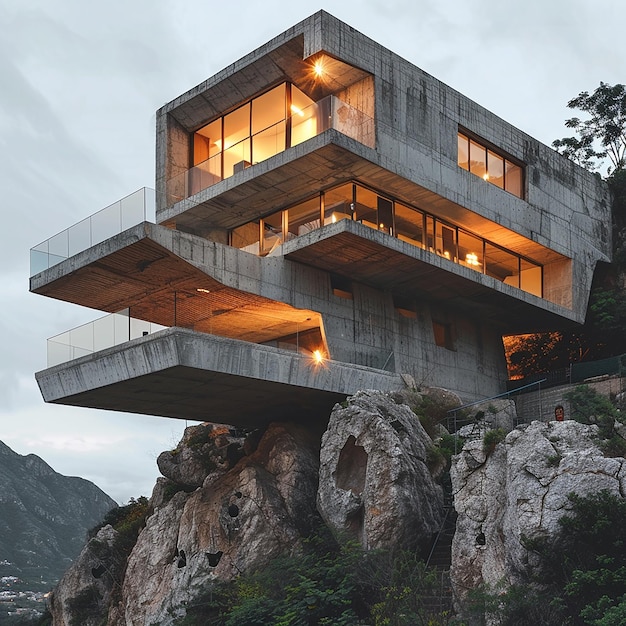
{"points": [[189, 375]]}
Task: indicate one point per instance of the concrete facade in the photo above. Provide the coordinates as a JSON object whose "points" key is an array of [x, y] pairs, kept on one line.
{"points": [[362, 294]]}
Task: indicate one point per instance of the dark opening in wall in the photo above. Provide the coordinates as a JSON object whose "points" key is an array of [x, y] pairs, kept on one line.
{"points": [[341, 286], [405, 306], [444, 336]]}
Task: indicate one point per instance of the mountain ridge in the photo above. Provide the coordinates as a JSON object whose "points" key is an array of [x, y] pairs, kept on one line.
{"points": [[44, 515]]}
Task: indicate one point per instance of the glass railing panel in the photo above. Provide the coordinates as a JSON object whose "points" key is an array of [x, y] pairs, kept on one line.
{"points": [[352, 122], [237, 158], [104, 224], [59, 349], [81, 338], [133, 209], [58, 245], [269, 142], [200, 177], [105, 332], [79, 237], [39, 258]]}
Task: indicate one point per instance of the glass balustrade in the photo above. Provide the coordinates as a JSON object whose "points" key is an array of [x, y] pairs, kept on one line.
{"points": [[129, 211], [105, 332]]}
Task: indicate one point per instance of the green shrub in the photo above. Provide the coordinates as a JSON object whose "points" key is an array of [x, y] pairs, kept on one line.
{"points": [[492, 438], [590, 407]]}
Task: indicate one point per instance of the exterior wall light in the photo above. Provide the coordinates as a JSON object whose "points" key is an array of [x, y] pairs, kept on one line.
{"points": [[317, 356]]}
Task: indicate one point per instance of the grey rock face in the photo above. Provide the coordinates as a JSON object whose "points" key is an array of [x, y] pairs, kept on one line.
{"points": [[84, 593], [374, 478], [254, 512], [205, 450], [520, 491]]}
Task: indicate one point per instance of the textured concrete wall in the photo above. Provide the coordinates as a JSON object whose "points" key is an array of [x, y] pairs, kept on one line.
{"points": [[540, 404], [565, 208], [366, 330]]}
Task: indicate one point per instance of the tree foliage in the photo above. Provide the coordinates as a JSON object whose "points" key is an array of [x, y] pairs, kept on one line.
{"points": [[603, 133], [583, 574], [326, 584]]}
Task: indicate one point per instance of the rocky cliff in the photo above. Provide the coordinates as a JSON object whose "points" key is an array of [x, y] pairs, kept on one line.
{"points": [[517, 491], [44, 516], [230, 502]]}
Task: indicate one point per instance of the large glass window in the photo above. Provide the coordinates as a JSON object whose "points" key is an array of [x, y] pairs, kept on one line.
{"points": [[253, 132], [353, 201], [489, 165], [303, 218], [470, 250], [338, 204], [271, 232], [304, 117], [409, 224], [269, 124]]}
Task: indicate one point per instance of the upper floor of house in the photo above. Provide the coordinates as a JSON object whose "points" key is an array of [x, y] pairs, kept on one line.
{"points": [[322, 124]]}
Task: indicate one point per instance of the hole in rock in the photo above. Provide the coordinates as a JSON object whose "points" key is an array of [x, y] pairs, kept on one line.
{"points": [[214, 557], [233, 510], [351, 467], [96, 572]]}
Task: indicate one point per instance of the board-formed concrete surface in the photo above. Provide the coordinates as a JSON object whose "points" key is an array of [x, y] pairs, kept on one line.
{"points": [[187, 375]]}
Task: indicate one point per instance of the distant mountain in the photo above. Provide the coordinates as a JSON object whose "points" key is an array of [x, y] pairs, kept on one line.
{"points": [[44, 516]]}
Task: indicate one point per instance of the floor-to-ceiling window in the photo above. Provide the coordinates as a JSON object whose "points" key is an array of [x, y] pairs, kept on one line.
{"points": [[356, 202], [257, 130]]}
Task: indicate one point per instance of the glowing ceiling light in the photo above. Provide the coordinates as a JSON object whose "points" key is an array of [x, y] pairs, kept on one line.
{"points": [[318, 357], [318, 68], [200, 290]]}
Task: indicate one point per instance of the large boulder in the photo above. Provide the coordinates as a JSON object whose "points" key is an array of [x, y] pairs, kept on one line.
{"points": [[84, 593], [375, 481], [518, 492], [256, 511], [205, 450]]}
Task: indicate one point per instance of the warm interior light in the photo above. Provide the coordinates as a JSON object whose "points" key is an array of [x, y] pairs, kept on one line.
{"points": [[485, 176], [318, 357], [471, 258], [318, 68], [203, 290], [333, 218], [297, 111], [446, 254]]}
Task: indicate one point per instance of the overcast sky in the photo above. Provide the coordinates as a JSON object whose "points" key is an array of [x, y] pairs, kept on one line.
{"points": [[79, 86]]}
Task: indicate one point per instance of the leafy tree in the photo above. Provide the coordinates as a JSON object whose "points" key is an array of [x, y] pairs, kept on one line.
{"points": [[603, 133]]}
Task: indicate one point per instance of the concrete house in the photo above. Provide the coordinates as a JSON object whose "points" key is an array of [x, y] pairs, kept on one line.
{"points": [[329, 218]]}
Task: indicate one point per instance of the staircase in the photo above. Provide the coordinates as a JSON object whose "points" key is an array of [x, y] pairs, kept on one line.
{"points": [[440, 557]]}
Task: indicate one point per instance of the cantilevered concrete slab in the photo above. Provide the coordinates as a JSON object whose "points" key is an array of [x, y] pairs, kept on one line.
{"points": [[187, 375], [377, 259]]}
